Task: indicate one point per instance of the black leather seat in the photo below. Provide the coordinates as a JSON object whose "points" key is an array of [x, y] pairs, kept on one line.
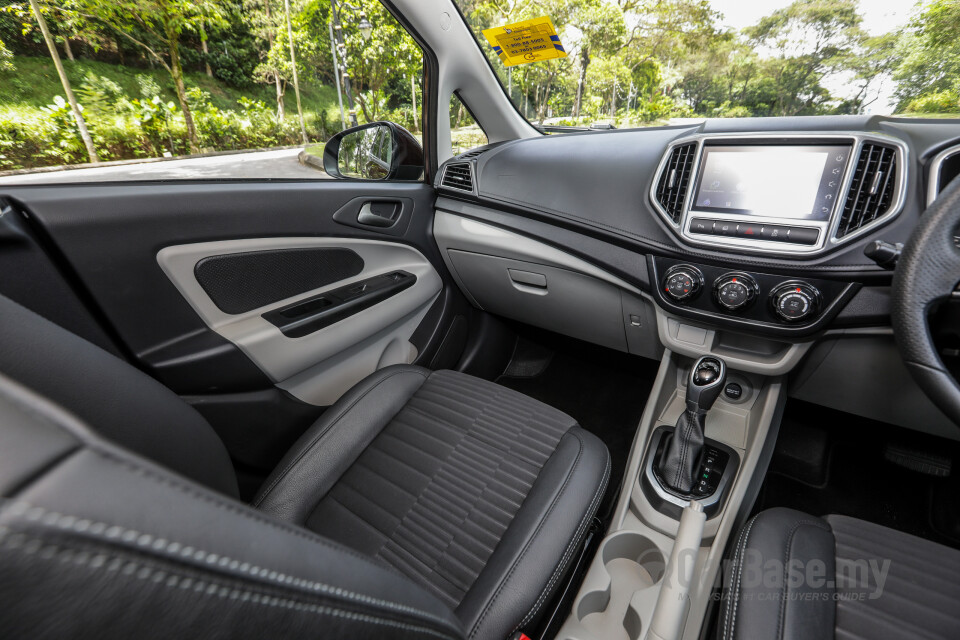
{"points": [[843, 578], [421, 504]]}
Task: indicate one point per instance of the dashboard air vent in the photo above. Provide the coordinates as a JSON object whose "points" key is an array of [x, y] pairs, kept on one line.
{"points": [[472, 153], [672, 185], [871, 190], [459, 176]]}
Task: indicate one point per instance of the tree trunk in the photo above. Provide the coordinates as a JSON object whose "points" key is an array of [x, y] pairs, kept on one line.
{"points": [[281, 112], [296, 82], [206, 58], [66, 47], [77, 115], [581, 84], [176, 70], [413, 101]]}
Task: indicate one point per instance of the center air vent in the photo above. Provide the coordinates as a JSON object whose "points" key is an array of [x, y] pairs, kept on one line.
{"points": [[672, 185], [871, 191], [459, 176]]}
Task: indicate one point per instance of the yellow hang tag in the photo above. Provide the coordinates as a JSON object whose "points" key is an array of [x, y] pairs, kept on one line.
{"points": [[524, 42]]}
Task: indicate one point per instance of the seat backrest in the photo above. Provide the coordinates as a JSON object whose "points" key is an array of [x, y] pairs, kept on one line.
{"points": [[97, 542], [124, 404]]}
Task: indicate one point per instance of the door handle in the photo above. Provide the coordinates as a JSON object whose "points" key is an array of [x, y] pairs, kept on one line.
{"points": [[382, 214]]}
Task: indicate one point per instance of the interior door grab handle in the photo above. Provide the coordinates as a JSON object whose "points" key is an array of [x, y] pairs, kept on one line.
{"points": [[380, 214]]}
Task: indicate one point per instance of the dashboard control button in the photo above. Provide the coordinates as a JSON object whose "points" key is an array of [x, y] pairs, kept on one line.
{"points": [[724, 228], [795, 301], [749, 230], [702, 225], [734, 291], [804, 235], [774, 232], [682, 282]]}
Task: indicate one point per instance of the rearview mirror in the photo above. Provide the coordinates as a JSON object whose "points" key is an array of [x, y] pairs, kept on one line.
{"points": [[375, 151]]}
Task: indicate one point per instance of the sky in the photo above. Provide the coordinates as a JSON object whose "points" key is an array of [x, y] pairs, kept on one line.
{"points": [[879, 16]]}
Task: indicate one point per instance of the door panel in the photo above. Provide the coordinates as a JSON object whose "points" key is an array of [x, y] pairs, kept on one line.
{"points": [[320, 366], [110, 235]]}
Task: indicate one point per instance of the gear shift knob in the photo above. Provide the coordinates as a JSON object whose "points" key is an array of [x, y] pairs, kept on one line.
{"points": [[705, 383], [681, 457]]}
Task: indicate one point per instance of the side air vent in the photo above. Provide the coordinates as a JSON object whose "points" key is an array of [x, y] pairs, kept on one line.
{"points": [[672, 185], [459, 176], [871, 191], [472, 154]]}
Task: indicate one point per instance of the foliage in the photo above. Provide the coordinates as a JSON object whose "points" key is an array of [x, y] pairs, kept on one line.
{"points": [[140, 68], [935, 102]]}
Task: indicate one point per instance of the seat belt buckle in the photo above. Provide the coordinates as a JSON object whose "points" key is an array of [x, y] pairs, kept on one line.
{"points": [[519, 635]]}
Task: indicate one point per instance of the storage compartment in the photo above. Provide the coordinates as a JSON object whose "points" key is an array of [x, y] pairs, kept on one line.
{"points": [[556, 299], [617, 592]]}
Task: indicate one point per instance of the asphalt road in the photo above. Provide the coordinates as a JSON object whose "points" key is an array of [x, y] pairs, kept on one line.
{"points": [[281, 163]]}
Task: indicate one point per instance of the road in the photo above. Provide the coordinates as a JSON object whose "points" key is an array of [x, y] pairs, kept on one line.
{"points": [[279, 163]]}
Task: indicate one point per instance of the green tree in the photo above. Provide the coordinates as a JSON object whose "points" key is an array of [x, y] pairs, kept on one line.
{"points": [[811, 39], [927, 55], [602, 31], [157, 27]]}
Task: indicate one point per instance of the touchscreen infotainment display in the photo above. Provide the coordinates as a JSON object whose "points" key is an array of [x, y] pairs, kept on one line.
{"points": [[794, 182]]}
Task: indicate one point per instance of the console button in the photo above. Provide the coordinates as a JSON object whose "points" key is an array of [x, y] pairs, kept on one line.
{"points": [[724, 228], [774, 232], [682, 282], [734, 291], [749, 231], [795, 301], [701, 225], [804, 235]]}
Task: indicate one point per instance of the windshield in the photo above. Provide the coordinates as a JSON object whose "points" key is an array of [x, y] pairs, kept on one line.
{"points": [[633, 63]]}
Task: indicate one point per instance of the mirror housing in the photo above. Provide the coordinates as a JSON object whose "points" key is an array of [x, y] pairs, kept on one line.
{"points": [[375, 151]]}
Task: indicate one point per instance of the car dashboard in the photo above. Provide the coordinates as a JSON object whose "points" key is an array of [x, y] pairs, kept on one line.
{"points": [[759, 240]]}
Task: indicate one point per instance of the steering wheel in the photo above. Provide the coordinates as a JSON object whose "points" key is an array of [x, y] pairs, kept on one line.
{"points": [[927, 272]]}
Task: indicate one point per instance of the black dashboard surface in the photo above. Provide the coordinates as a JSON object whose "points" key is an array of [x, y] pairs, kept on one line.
{"points": [[599, 183], [589, 194]]}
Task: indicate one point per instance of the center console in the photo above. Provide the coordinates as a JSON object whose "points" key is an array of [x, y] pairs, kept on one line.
{"points": [[739, 412]]}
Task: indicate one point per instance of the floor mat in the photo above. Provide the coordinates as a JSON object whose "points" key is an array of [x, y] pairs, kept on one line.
{"points": [[852, 473], [604, 390]]}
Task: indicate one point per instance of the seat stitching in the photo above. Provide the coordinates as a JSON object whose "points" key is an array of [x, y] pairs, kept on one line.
{"points": [[786, 581], [33, 545], [117, 534], [215, 500], [325, 431], [574, 543], [736, 591], [526, 547], [736, 556]]}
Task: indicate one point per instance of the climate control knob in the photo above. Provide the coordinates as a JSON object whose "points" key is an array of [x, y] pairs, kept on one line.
{"points": [[682, 282], [735, 291], [795, 301]]}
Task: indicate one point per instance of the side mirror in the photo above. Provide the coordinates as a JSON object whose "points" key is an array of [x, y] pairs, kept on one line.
{"points": [[375, 151]]}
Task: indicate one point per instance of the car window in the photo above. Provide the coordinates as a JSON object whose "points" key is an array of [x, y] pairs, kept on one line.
{"points": [[465, 133], [631, 63], [226, 97]]}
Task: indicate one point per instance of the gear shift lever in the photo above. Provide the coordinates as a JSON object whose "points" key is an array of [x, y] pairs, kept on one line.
{"points": [[679, 464]]}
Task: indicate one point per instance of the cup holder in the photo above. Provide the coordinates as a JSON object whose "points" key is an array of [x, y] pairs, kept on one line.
{"points": [[631, 563]]}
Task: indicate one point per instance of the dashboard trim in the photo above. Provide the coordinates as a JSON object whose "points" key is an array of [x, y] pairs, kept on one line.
{"points": [[936, 166], [826, 240]]}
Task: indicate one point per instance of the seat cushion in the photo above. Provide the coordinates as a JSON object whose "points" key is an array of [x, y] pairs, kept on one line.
{"points": [[915, 596], [798, 576], [476, 492]]}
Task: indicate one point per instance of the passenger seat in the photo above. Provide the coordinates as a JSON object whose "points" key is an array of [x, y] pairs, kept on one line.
{"points": [[421, 504]]}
